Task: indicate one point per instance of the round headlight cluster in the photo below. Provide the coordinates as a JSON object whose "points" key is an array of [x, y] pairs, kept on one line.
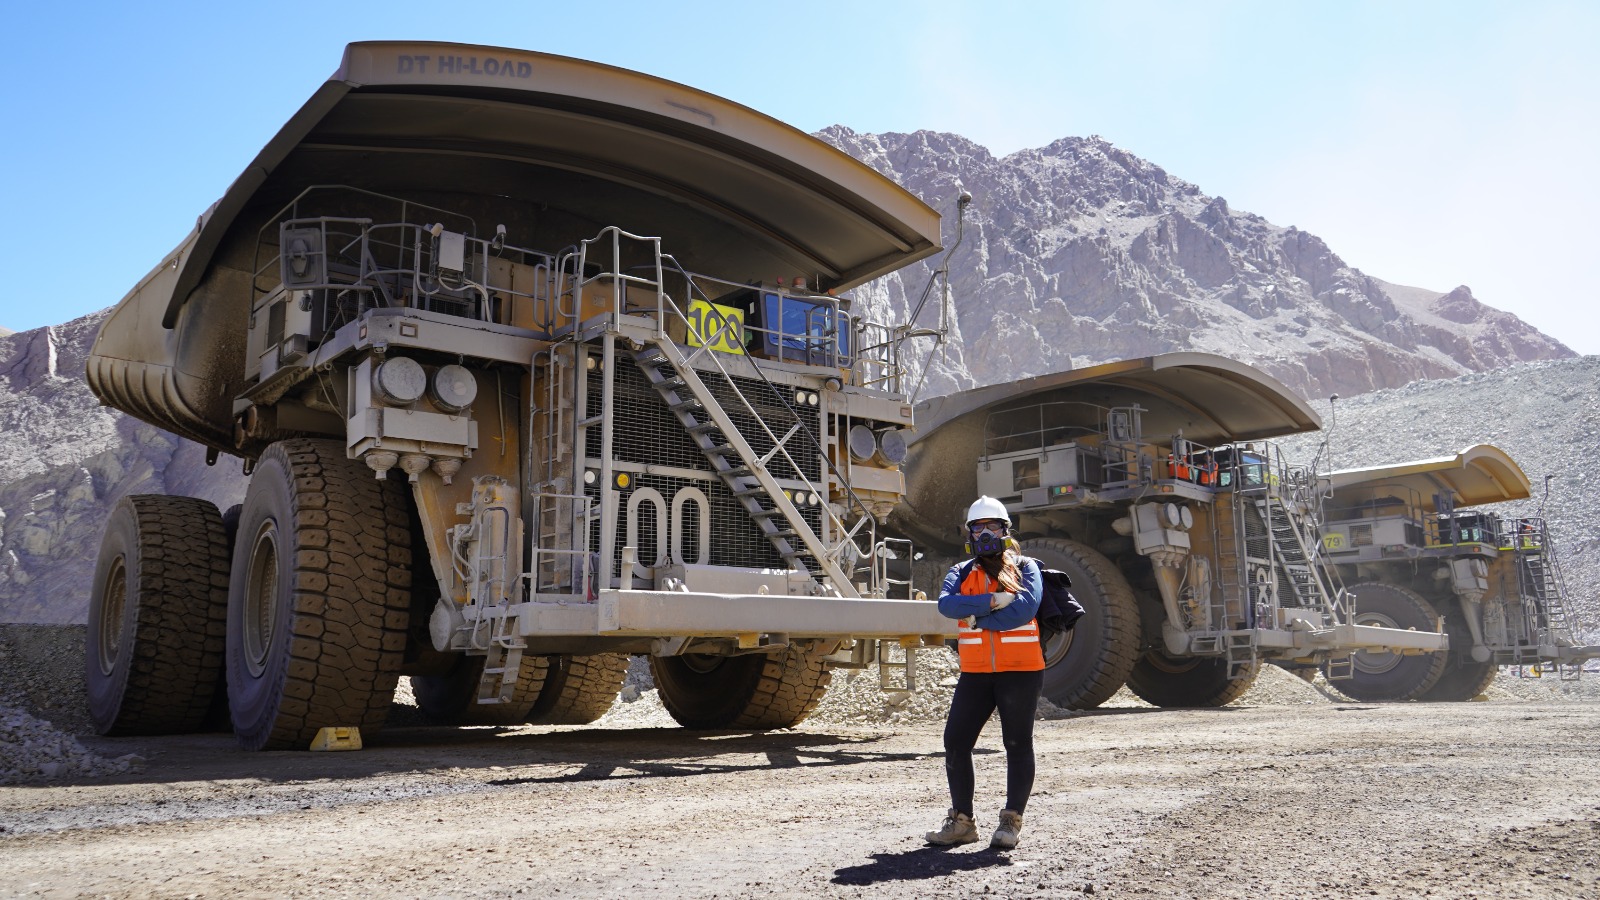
{"points": [[803, 499], [401, 381], [886, 448], [806, 398], [1176, 516]]}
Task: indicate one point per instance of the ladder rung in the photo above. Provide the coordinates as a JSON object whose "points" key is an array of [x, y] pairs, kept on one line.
{"points": [[703, 428], [690, 403], [756, 491], [722, 450]]}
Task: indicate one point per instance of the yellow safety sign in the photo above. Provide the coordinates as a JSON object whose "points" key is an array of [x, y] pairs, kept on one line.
{"points": [[717, 326]]}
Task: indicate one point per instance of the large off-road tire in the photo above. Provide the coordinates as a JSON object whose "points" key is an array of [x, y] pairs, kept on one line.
{"points": [[452, 698], [756, 691], [1195, 681], [579, 689], [1463, 677], [157, 616], [1086, 665], [318, 601], [1386, 676], [218, 718]]}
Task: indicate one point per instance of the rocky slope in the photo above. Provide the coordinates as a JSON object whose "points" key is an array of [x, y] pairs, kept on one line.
{"points": [[64, 462], [1079, 252]]}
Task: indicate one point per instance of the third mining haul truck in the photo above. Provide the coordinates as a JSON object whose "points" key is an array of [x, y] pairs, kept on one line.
{"points": [[534, 364], [1415, 545], [1154, 483]]}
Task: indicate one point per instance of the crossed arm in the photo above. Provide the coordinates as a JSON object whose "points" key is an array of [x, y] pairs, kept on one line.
{"points": [[980, 607]]}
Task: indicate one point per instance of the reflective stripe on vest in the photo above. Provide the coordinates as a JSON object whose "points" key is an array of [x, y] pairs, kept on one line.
{"points": [[982, 650]]}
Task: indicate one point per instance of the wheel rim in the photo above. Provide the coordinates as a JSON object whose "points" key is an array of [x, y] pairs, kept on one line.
{"points": [[702, 663], [1375, 662], [1056, 648], [1164, 663], [261, 596], [115, 600]]}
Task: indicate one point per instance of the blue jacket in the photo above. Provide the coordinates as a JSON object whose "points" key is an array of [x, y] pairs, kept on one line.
{"points": [[956, 605]]}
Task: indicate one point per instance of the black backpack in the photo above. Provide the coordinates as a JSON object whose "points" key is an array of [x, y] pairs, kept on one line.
{"points": [[1058, 609]]}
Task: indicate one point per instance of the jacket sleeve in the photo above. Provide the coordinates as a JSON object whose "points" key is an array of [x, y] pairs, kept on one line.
{"points": [[1022, 609], [955, 605]]}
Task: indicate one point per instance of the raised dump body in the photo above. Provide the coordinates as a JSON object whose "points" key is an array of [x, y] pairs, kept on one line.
{"points": [[1154, 484], [537, 364], [1415, 544]]}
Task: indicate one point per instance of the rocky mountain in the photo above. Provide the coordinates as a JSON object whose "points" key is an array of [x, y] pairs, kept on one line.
{"points": [[66, 461], [1081, 253], [1075, 253]]}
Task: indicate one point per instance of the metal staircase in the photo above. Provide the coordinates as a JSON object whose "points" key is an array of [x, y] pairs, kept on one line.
{"points": [[1293, 563], [1266, 560], [737, 464], [1539, 579]]}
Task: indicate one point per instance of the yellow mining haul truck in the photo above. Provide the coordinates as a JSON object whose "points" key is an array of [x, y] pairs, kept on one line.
{"points": [[1415, 546], [1154, 484], [534, 364]]}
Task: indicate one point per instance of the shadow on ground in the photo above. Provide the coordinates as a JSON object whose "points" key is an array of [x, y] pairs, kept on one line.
{"points": [[919, 864]]}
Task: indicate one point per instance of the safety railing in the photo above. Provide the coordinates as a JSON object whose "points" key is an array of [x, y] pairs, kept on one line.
{"points": [[562, 562], [438, 265], [672, 319]]}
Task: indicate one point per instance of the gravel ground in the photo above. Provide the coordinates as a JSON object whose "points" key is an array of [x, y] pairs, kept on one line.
{"points": [[43, 708]]}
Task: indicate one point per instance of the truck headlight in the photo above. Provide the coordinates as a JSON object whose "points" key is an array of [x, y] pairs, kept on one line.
{"points": [[454, 388], [862, 442], [892, 446], [400, 380]]}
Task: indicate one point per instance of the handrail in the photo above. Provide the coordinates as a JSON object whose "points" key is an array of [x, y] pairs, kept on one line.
{"points": [[667, 307]]}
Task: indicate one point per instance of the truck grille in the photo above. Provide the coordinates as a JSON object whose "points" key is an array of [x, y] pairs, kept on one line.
{"points": [[735, 539], [646, 432]]}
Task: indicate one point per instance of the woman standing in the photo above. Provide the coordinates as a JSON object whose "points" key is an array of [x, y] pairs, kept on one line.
{"points": [[996, 597]]}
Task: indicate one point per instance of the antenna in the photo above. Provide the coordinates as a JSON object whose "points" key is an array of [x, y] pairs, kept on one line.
{"points": [[941, 276], [1327, 434]]}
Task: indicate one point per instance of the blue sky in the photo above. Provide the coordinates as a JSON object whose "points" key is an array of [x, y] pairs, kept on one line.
{"points": [[1430, 143]]}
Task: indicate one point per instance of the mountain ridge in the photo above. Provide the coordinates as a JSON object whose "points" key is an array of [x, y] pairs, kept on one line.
{"points": [[1094, 254]]}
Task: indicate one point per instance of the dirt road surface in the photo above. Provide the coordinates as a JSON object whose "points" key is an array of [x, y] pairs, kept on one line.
{"points": [[1335, 800]]}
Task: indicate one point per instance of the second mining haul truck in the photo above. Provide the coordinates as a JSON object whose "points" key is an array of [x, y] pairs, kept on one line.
{"points": [[1415, 544], [534, 364], [1154, 483]]}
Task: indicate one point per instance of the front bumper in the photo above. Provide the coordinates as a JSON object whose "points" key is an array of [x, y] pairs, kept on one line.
{"points": [[683, 614]]}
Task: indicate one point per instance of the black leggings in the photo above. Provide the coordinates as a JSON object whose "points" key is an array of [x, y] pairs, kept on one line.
{"points": [[978, 695]]}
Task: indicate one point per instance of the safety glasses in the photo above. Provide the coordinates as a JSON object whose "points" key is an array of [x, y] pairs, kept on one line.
{"points": [[992, 529]]}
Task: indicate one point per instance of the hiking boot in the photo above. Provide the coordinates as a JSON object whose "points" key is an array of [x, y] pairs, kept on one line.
{"points": [[958, 829], [1005, 837]]}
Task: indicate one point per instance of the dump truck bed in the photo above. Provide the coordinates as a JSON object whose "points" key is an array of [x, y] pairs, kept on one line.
{"points": [[553, 148], [1211, 399], [1477, 475]]}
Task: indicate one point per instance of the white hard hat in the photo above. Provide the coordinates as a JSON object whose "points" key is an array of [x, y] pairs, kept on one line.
{"points": [[987, 507]]}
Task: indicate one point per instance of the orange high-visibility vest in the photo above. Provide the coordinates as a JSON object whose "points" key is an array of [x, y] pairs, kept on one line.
{"points": [[982, 650]]}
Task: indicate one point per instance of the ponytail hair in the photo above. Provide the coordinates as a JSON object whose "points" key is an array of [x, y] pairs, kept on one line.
{"points": [[1006, 568]]}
